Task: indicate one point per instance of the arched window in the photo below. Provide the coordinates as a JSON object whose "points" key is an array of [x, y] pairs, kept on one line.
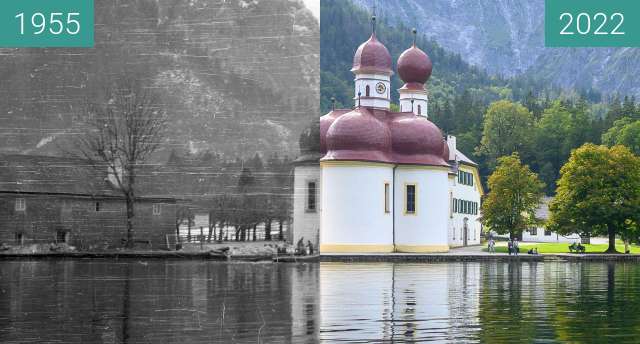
{"points": [[367, 91], [419, 109]]}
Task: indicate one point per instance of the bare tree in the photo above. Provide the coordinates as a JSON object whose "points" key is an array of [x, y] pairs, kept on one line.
{"points": [[124, 131]]}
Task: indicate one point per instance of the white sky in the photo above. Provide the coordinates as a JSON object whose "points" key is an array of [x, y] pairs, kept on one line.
{"points": [[314, 6]]}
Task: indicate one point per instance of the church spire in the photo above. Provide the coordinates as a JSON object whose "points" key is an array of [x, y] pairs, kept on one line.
{"points": [[415, 35], [373, 18]]}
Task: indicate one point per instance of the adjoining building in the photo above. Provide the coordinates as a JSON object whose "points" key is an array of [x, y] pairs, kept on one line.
{"points": [[541, 233], [60, 200], [384, 181]]}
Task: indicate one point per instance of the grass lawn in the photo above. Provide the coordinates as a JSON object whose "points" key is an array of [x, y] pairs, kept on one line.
{"points": [[562, 248]]}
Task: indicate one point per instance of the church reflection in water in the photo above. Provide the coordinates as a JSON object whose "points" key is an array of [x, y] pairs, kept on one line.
{"points": [[373, 301]]}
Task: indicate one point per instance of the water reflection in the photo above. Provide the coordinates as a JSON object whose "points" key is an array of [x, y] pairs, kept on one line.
{"points": [[157, 301], [398, 302], [480, 302]]}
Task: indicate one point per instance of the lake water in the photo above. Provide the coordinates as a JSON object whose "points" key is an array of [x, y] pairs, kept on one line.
{"points": [[167, 301]]}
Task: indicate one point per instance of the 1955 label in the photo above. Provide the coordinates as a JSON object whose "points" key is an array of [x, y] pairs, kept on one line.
{"points": [[47, 23]]}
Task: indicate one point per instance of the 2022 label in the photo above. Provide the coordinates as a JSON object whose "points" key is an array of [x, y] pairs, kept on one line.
{"points": [[592, 23], [582, 24]]}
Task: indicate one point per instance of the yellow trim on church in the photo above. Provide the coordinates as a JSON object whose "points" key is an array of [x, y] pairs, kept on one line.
{"points": [[341, 163], [355, 248], [374, 248], [422, 248], [422, 168]]}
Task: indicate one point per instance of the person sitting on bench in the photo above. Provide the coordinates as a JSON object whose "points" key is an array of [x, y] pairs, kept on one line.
{"points": [[576, 247]]}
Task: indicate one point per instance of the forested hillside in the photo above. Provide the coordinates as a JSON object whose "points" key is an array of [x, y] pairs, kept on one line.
{"points": [[490, 115]]}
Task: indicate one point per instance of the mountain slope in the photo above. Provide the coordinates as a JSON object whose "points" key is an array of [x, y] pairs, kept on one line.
{"points": [[236, 77], [507, 37]]}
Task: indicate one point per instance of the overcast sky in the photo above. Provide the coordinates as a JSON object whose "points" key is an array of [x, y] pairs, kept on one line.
{"points": [[314, 6]]}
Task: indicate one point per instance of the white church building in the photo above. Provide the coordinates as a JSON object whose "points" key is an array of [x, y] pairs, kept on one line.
{"points": [[371, 180]]}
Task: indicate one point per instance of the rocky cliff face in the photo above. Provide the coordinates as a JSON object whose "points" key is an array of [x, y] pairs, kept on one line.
{"points": [[507, 37], [235, 76]]}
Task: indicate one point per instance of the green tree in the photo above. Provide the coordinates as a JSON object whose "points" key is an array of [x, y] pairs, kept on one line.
{"points": [[552, 142], [507, 129], [625, 132], [514, 196], [598, 194]]}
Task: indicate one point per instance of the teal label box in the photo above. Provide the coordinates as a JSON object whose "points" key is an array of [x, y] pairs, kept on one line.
{"points": [[46, 23], [592, 23]]}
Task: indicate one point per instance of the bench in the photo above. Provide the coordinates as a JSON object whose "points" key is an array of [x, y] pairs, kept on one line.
{"points": [[573, 248]]}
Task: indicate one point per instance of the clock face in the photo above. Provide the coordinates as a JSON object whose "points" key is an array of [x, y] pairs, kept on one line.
{"points": [[381, 88]]}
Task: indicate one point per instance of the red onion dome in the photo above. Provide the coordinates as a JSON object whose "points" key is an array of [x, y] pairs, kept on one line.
{"points": [[373, 57], [416, 140], [325, 122], [414, 66], [360, 136]]}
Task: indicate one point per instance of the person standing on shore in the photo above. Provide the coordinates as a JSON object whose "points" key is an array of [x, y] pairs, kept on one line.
{"points": [[516, 246], [510, 246]]}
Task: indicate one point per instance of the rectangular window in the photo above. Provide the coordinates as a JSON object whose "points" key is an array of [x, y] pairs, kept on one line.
{"points": [[98, 206], [19, 238], [465, 178], [547, 232], [455, 205], [21, 204], [311, 196], [410, 199], [157, 209], [386, 198], [61, 236], [533, 231]]}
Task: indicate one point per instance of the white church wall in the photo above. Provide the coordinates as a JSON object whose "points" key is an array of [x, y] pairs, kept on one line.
{"points": [[420, 102], [426, 229], [353, 217], [306, 222]]}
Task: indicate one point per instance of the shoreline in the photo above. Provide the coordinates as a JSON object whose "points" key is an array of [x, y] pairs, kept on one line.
{"points": [[344, 258]]}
